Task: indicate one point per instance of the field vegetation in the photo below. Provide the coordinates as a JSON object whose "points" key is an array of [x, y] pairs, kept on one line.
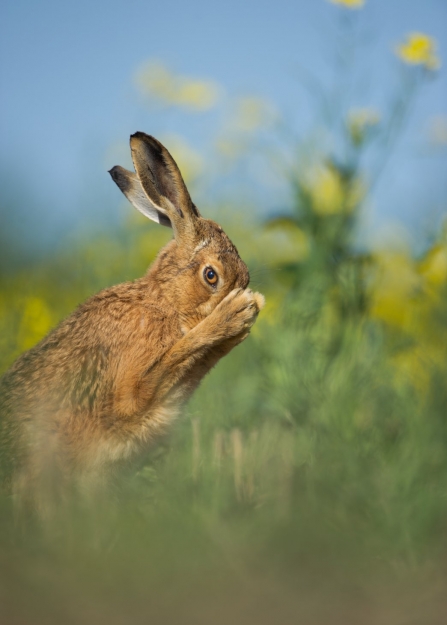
{"points": [[307, 479]]}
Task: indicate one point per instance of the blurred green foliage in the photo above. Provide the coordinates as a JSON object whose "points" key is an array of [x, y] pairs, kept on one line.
{"points": [[308, 476]]}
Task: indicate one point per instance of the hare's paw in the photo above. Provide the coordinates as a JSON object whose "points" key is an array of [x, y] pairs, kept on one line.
{"points": [[238, 311], [260, 300]]}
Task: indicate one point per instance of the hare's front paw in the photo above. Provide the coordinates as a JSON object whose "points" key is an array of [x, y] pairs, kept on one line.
{"points": [[237, 312]]}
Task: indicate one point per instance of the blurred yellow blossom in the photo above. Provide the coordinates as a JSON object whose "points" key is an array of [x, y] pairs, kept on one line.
{"points": [[397, 297], [434, 266], [329, 193], [360, 121], [405, 295], [157, 81], [419, 49], [349, 4], [36, 321], [393, 287]]}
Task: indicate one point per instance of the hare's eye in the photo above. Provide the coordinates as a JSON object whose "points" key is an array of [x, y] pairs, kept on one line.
{"points": [[210, 276]]}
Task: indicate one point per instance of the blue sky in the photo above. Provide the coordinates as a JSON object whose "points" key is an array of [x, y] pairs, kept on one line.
{"points": [[68, 94]]}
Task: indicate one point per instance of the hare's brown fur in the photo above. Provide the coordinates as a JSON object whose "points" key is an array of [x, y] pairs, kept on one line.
{"points": [[101, 386]]}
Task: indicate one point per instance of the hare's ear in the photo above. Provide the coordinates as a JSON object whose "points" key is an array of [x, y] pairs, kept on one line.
{"points": [[162, 181], [130, 185]]}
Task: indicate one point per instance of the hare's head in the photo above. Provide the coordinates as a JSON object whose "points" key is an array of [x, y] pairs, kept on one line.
{"points": [[201, 265]]}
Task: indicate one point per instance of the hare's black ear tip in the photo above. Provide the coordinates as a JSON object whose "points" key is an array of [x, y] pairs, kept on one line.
{"points": [[120, 177], [114, 172], [142, 136], [139, 135]]}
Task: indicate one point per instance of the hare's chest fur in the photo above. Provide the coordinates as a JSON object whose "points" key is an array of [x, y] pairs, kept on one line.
{"points": [[110, 450]]}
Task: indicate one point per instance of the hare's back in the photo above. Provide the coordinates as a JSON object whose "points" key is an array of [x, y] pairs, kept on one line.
{"points": [[76, 365]]}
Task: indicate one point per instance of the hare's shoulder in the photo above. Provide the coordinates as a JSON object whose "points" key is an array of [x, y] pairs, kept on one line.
{"points": [[114, 314], [119, 324]]}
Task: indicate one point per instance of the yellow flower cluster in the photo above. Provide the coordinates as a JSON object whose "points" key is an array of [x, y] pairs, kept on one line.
{"points": [[419, 49], [434, 266], [36, 321], [157, 81], [349, 4], [329, 193], [404, 295]]}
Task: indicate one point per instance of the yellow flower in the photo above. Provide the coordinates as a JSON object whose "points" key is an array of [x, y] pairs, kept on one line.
{"points": [[434, 266], [393, 289], [35, 323], [157, 81], [330, 194], [405, 295], [349, 4], [327, 193], [419, 49]]}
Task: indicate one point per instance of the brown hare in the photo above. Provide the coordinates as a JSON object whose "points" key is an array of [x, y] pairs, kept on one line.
{"points": [[100, 387]]}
